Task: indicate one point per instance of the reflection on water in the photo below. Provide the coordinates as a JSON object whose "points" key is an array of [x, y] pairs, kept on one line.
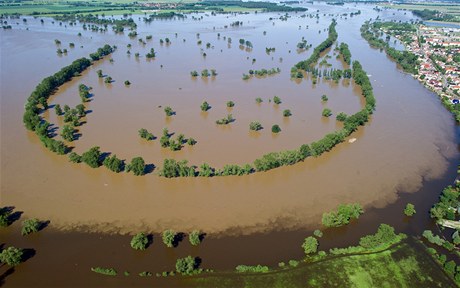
{"points": [[410, 136]]}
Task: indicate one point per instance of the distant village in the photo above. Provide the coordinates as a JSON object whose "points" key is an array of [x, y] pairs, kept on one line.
{"points": [[438, 49]]}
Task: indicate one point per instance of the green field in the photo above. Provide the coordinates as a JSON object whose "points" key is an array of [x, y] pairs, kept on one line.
{"points": [[404, 265]]}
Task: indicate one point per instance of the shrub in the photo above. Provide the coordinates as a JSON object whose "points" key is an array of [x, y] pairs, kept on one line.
{"points": [[145, 274], [91, 157], [310, 245], [385, 235], [187, 265], [326, 112], [137, 165], [252, 269], [324, 98], [168, 110], [318, 233], [139, 241], [277, 100], [194, 237], [343, 215], [255, 126], [224, 121], [276, 128], [341, 117], [230, 104], [293, 263], [409, 210], [30, 226], [169, 237], [259, 100], [127, 83], [143, 133], [205, 106], [287, 113], [104, 271]]}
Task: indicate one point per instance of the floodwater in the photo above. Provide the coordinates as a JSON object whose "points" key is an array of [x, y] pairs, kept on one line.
{"points": [[409, 143]]}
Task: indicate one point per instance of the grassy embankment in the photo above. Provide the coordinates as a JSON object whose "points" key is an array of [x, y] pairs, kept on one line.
{"points": [[402, 265]]}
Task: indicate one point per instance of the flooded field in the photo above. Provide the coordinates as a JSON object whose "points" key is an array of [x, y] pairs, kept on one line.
{"points": [[410, 137], [409, 145]]}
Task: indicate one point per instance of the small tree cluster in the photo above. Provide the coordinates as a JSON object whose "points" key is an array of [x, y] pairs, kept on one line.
{"points": [[139, 241]]}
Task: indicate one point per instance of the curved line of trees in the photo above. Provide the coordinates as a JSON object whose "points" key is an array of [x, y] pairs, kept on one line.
{"points": [[172, 168], [39, 99]]}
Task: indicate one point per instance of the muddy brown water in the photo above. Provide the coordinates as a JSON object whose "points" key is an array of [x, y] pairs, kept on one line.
{"points": [[409, 145]]}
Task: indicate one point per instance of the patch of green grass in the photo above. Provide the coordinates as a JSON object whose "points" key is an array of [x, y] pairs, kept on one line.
{"points": [[404, 265]]}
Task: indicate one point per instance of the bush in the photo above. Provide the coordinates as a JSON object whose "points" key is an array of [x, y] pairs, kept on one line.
{"points": [[277, 100], [137, 165], [168, 110], [287, 113], [259, 100], [409, 210], [145, 274], [30, 226], [252, 269], [310, 245], [324, 98], [205, 106], [318, 233], [104, 271], [127, 83], [194, 237], [91, 157], [187, 265], [143, 133], [169, 238], [293, 263], [230, 104], [341, 117], [385, 235], [343, 215], [139, 241], [276, 128], [326, 112], [113, 163], [255, 126], [11, 256]]}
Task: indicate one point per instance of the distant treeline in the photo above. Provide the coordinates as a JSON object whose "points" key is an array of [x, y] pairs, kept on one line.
{"points": [[427, 14], [265, 6]]}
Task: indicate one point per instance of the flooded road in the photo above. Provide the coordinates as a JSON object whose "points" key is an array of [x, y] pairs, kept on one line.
{"points": [[410, 137]]}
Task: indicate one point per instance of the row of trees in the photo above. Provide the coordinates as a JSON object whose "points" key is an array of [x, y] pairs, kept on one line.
{"points": [[332, 37], [173, 168], [408, 60]]}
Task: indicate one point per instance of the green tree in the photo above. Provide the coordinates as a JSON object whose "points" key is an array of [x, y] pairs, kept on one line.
{"points": [[137, 166], [169, 238], [74, 157], [277, 100], [310, 245], [169, 111], [324, 98], [139, 241], [67, 133], [287, 113], [91, 157], [187, 265], [276, 128], [191, 141], [113, 163], [58, 109], [230, 104], [255, 126], [205, 106], [341, 117], [30, 226], [11, 256], [127, 83], [194, 237], [410, 209], [326, 112], [259, 100]]}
